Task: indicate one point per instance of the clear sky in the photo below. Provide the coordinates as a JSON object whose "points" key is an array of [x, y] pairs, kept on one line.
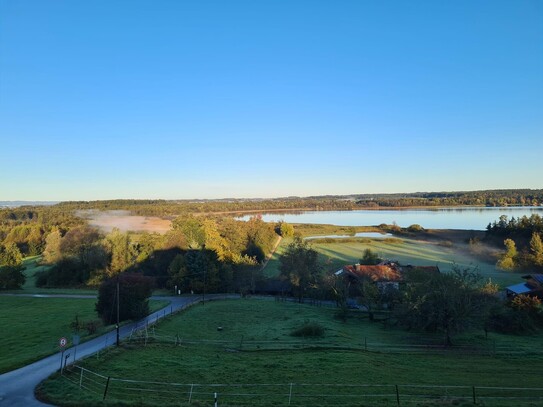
{"points": [[207, 99]]}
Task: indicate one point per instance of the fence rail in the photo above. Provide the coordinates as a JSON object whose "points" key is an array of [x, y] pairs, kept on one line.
{"points": [[116, 390], [149, 334]]}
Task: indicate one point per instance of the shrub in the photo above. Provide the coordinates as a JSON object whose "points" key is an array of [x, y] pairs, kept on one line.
{"points": [[370, 257], [92, 326], [11, 277], [507, 320], [415, 228], [309, 329]]}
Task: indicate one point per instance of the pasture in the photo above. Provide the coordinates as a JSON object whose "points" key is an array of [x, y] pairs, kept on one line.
{"points": [[32, 326], [254, 347]]}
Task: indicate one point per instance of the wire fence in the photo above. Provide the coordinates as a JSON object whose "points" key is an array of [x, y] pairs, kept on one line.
{"points": [[119, 390], [150, 334]]}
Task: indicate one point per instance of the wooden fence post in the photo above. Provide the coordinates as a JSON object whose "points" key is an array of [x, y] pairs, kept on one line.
{"points": [[107, 386], [474, 396], [290, 394], [397, 395]]}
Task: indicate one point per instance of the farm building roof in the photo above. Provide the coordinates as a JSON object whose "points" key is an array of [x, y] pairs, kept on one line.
{"points": [[518, 289], [374, 273], [537, 277]]}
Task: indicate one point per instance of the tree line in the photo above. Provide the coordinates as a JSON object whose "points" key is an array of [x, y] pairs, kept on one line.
{"points": [[223, 247], [522, 238], [172, 208]]}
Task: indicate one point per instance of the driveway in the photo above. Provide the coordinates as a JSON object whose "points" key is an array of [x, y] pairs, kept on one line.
{"points": [[17, 387]]}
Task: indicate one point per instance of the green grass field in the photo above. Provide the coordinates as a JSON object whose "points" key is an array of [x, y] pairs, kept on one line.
{"points": [[337, 358], [31, 327], [406, 251]]}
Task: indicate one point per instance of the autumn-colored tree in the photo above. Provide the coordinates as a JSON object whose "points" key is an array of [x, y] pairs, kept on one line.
{"points": [[508, 260], [122, 251], [536, 249], [52, 253], [11, 267]]}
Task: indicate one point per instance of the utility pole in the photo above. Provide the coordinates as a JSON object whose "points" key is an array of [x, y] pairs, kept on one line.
{"points": [[205, 274], [117, 311], [205, 281]]}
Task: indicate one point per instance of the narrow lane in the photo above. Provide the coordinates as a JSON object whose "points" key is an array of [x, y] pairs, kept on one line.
{"points": [[17, 387]]}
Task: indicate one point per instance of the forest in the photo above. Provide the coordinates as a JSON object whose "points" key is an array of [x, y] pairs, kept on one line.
{"points": [[79, 255], [172, 208]]}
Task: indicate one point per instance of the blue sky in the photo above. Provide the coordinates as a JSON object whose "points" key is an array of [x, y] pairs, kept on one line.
{"points": [[208, 99]]}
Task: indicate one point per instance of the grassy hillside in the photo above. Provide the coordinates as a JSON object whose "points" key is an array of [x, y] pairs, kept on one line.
{"points": [[255, 346]]}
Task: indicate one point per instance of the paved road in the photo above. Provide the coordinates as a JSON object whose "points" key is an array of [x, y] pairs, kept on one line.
{"points": [[17, 387]]}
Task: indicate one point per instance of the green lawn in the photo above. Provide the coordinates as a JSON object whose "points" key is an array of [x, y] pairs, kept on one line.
{"points": [[33, 326], [406, 251], [337, 358]]}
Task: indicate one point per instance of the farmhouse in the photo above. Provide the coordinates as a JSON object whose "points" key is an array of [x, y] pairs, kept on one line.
{"points": [[532, 287], [387, 274]]}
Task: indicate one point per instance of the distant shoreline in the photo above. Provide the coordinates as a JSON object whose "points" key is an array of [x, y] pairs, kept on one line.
{"points": [[381, 208]]}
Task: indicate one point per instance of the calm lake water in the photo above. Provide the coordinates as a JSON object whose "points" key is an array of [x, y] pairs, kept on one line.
{"points": [[371, 235], [476, 218]]}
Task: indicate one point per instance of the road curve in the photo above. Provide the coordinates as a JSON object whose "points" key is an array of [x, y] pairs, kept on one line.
{"points": [[17, 387]]}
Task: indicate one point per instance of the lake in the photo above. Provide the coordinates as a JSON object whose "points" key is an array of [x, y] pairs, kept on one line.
{"points": [[369, 235], [476, 218]]}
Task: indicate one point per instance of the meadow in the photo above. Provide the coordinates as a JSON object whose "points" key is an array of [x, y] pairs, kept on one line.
{"points": [[428, 249], [217, 346], [32, 326]]}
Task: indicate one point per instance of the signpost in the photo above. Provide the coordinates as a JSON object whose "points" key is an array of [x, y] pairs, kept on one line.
{"points": [[62, 342]]}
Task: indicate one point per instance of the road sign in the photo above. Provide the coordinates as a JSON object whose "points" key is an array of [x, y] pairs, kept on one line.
{"points": [[62, 342]]}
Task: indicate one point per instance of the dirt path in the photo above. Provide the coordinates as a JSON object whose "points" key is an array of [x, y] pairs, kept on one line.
{"points": [[271, 253]]}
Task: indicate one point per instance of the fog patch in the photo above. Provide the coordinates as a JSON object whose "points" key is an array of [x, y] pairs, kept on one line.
{"points": [[124, 221]]}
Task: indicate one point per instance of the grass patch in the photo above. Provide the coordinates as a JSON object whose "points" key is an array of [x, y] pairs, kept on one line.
{"points": [[33, 326], [274, 321], [309, 330]]}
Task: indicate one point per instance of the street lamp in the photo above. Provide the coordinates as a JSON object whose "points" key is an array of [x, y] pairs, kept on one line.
{"points": [[205, 275]]}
